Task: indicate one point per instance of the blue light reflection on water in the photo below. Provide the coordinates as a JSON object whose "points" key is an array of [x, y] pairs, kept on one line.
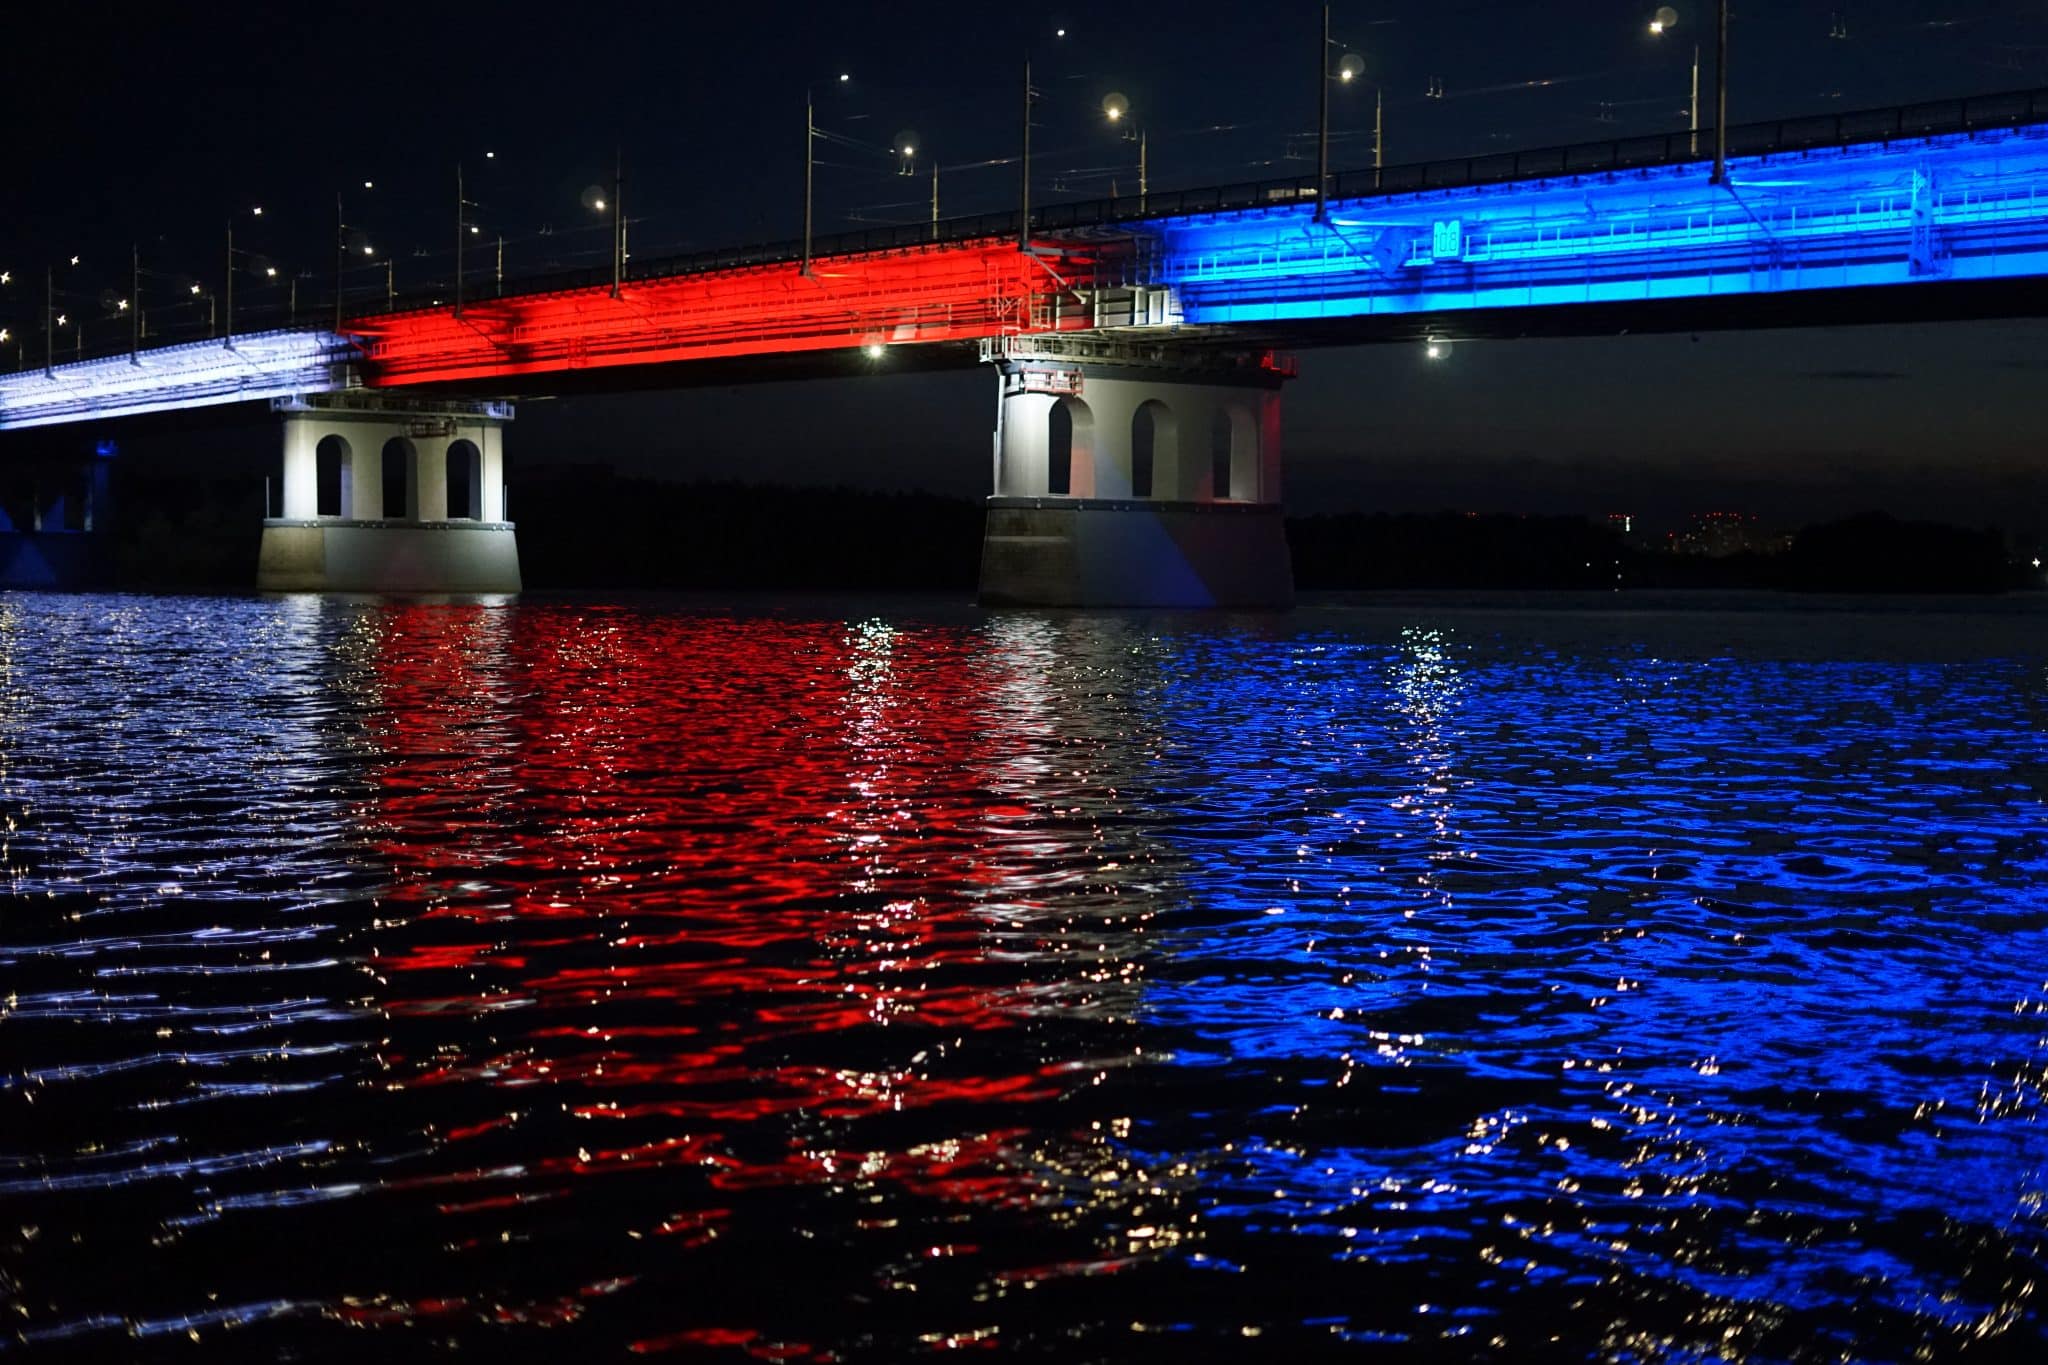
{"points": [[1667, 983]]}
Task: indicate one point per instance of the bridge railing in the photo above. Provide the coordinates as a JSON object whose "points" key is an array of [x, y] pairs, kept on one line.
{"points": [[1977, 113], [1937, 118]]}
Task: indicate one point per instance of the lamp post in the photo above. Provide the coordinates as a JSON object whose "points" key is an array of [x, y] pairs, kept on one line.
{"points": [[1721, 95], [1349, 68], [810, 163], [1116, 107], [1666, 19]]}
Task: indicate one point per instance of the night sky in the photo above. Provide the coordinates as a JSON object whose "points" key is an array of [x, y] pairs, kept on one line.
{"points": [[160, 126]]}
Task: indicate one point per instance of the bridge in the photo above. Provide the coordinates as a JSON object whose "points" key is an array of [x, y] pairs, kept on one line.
{"points": [[1137, 342]]}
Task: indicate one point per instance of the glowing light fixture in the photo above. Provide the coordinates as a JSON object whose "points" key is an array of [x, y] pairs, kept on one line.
{"points": [[122, 306], [873, 350], [271, 271], [257, 211], [369, 184]]}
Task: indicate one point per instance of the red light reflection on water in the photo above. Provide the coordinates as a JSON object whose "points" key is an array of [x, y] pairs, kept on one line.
{"points": [[710, 885]]}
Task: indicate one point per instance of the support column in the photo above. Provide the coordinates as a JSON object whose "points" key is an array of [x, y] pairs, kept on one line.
{"points": [[56, 513], [1134, 475], [354, 547]]}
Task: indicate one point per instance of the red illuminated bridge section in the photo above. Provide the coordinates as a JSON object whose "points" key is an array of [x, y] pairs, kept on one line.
{"points": [[951, 292]]}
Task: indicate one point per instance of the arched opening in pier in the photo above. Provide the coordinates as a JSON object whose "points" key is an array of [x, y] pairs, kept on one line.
{"points": [[1154, 452], [465, 481], [1230, 453], [331, 460], [401, 466], [1069, 449]]}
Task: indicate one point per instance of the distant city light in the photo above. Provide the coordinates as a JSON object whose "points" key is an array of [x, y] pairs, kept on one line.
{"points": [[195, 288], [874, 350], [597, 203], [844, 77], [1059, 33], [271, 271], [474, 229], [367, 251], [6, 277], [490, 156], [258, 210], [121, 306], [369, 184], [62, 320], [74, 260], [1437, 350]]}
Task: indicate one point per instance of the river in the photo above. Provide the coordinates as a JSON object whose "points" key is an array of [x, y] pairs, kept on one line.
{"points": [[807, 980]]}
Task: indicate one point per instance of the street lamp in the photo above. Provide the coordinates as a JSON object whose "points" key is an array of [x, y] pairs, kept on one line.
{"points": [[1350, 69], [810, 162], [1667, 19], [1116, 107]]}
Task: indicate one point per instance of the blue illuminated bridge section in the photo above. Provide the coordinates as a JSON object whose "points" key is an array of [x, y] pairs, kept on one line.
{"points": [[1961, 208], [1565, 241]]}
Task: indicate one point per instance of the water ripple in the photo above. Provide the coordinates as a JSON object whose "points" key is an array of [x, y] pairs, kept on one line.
{"points": [[805, 983]]}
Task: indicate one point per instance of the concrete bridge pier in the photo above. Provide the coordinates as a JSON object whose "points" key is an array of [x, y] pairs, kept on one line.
{"points": [[388, 494], [1130, 474], [54, 517]]}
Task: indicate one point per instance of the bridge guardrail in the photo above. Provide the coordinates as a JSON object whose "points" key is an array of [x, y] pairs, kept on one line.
{"points": [[1806, 133], [2005, 109]]}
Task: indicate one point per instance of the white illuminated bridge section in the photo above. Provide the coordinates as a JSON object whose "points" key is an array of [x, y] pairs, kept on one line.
{"points": [[1963, 207], [197, 374]]}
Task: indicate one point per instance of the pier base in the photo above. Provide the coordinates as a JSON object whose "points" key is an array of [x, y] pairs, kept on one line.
{"points": [[385, 494], [1085, 552], [380, 556]]}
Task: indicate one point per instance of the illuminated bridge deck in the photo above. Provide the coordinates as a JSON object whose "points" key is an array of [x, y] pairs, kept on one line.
{"points": [[1902, 206]]}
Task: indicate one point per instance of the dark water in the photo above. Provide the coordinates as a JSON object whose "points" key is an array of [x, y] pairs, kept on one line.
{"points": [[823, 983]]}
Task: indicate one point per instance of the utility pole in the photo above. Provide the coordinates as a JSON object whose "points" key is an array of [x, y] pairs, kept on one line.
{"points": [[1323, 116], [49, 321], [340, 252], [134, 304], [1024, 179], [1379, 132], [1693, 148], [810, 132], [1142, 183], [1721, 99], [228, 341], [459, 203], [501, 265], [390, 282], [935, 199], [618, 219]]}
